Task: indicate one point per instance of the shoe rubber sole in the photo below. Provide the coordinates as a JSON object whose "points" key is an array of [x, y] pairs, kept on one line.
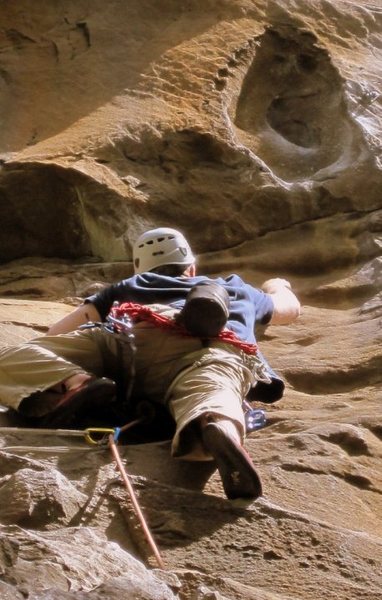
{"points": [[238, 475]]}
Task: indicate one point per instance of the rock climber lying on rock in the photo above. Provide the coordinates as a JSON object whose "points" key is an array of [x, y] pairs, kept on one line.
{"points": [[195, 352]]}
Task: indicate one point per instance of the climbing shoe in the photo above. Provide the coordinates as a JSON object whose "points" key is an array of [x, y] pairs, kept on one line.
{"points": [[206, 310], [237, 472], [92, 396]]}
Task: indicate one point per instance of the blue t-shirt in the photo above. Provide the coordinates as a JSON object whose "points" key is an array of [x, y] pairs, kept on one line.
{"points": [[248, 305]]}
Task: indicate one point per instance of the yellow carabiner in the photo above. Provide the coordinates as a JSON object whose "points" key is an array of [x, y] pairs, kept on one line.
{"points": [[93, 430]]}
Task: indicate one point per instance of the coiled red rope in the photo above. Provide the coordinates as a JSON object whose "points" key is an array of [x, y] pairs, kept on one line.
{"points": [[139, 312]]}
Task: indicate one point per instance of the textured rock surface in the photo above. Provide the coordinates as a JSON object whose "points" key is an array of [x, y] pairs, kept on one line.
{"points": [[144, 111], [71, 559], [255, 127], [35, 499]]}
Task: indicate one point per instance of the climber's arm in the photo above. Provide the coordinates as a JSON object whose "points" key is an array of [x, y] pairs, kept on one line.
{"points": [[79, 316], [286, 306]]}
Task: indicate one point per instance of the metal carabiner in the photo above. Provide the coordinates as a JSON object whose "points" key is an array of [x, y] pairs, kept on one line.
{"points": [[89, 437]]}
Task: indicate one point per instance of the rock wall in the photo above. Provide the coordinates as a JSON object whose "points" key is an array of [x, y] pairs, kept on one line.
{"points": [[253, 126], [232, 120]]}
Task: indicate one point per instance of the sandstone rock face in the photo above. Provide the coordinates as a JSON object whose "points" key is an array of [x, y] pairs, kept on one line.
{"points": [[261, 117], [255, 128], [25, 496]]}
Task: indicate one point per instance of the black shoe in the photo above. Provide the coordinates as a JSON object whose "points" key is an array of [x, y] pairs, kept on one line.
{"points": [[238, 474], [206, 310], [82, 402]]}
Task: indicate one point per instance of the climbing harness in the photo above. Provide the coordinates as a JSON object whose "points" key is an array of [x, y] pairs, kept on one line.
{"points": [[122, 325], [122, 317]]}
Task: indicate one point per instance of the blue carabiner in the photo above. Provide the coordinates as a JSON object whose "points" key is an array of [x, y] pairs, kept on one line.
{"points": [[254, 419]]}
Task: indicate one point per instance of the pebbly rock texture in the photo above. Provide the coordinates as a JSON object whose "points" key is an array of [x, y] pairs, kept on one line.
{"points": [[255, 128]]}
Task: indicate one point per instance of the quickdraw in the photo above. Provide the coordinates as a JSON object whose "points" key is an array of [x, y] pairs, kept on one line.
{"points": [[94, 436]]}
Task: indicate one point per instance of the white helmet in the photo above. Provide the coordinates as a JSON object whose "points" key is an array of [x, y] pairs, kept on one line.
{"points": [[162, 246]]}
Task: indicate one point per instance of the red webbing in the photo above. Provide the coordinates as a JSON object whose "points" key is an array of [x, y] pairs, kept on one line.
{"points": [[139, 312]]}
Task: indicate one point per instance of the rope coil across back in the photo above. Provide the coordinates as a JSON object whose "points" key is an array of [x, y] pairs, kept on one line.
{"points": [[139, 312]]}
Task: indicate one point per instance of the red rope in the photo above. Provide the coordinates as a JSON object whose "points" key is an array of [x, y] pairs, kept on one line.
{"points": [[139, 312], [133, 498]]}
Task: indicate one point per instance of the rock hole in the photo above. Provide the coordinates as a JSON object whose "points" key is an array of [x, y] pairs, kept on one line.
{"points": [[358, 481], [223, 72], [307, 62], [219, 84], [282, 116], [291, 109], [272, 555]]}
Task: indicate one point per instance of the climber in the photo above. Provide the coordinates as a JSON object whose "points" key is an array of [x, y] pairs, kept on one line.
{"points": [[202, 365]]}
